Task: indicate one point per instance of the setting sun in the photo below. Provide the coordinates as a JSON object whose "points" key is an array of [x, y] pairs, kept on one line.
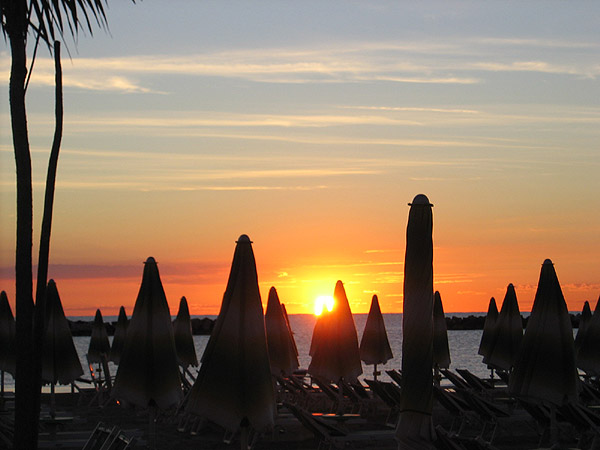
{"points": [[323, 301]]}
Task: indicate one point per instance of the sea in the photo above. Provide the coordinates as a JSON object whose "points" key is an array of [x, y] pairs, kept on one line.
{"points": [[463, 346]]}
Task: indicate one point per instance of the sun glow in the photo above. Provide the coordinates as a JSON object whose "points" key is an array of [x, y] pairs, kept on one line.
{"points": [[322, 302]]}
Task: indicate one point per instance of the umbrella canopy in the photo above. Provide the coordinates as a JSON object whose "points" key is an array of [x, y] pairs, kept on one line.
{"points": [[287, 320], [507, 335], [336, 354], [234, 386], [184, 341], [441, 349], [374, 345], [588, 355], [584, 322], [415, 427], [488, 329], [99, 345], [7, 336], [148, 374], [60, 363], [282, 349], [545, 365], [119, 338]]}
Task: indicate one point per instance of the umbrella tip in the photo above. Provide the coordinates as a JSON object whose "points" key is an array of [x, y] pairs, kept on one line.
{"points": [[243, 239], [420, 199], [548, 261], [150, 260]]}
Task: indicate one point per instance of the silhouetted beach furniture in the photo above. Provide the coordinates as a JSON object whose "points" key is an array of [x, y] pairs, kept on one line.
{"points": [[488, 331], [98, 352], [415, 427], [441, 349], [331, 435], [108, 438], [588, 354], [118, 342], [283, 354], [234, 386], [390, 395], [584, 322], [507, 333], [455, 379], [374, 344], [544, 368], [448, 441], [7, 340], [60, 362]]}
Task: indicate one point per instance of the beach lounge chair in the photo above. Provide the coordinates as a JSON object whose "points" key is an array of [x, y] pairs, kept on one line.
{"points": [[390, 395], [395, 375], [108, 438], [330, 435]]}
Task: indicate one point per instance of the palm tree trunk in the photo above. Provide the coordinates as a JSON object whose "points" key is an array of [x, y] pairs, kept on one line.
{"points": [[25, 422]]}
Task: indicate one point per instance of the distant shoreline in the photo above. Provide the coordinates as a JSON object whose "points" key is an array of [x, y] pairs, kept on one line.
{"points": [[204, 326]]}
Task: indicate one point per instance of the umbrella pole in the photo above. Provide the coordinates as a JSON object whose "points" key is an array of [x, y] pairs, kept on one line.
{"points": [[152, 427], [52, 401], [244, 437], [553, 426], [2, 378], [375, 373]]}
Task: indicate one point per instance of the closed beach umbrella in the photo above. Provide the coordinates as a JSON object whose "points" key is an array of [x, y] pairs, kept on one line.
{"points": [[7, 337], [588, 355], [336, 354], [318, 330], [584, 322], [375, 345], [119, 338], [234, 387], [507, 334], [415, 427], [287, 320], [99, 347], [148, 374], [441, 350], [282, 349], [60, 362], [544, 369], [488, 329], [184, 341]]}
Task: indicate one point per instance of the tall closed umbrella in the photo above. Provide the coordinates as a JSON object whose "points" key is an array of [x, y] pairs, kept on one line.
{"points": [[588, 354], [287, 320], [234, 386], [374, 345], [584, 322], [441, 349], [60, 362], [282, 350], [119, 338], [184, 341], [488, 329], [99, 347], [148, 375], [544, 369], [7, 339], [507, 334], [336, 354], [415, 427]]}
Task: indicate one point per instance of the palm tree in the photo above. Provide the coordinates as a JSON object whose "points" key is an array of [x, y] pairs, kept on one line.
{"points": [[45, 21]]}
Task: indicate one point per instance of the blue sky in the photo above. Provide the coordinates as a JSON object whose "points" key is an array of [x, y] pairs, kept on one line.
{"points": [[317, 122]]}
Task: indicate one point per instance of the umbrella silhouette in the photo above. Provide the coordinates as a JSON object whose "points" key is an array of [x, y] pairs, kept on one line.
{"points": [[336, 354], [415, 427], [287, 320], [441, 350], [282, 349], [584, 322], [507, 335], [148, 375], [545, 365], [60, 362], [588, 356], [119, 338], [99, 347], [488, 329], [374, 345], [234, 387], [184, 341], [7, 339]]}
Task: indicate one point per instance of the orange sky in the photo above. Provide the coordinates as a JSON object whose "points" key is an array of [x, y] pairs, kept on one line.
{"points": [[310, 128]]}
